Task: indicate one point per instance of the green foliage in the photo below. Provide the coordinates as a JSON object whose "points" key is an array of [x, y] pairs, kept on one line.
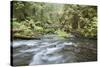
{"points": [[16, 25], [38, 29], [49, 18], [61, 33]]}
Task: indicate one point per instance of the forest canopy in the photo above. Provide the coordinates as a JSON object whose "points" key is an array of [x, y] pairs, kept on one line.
{"points": [[31, 19]]}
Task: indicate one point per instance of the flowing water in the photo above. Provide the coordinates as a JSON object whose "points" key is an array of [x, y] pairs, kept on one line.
{"points": [[51, 49]]}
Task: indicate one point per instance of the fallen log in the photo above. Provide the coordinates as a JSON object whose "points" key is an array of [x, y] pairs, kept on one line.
{"points": [[24, 37]]}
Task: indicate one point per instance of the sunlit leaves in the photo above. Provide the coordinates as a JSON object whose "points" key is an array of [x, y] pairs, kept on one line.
{"points": [[59, 19], [61, 33]]}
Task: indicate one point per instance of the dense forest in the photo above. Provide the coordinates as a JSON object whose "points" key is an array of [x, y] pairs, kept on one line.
{"points": [[32, 19], [52, 33]]}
